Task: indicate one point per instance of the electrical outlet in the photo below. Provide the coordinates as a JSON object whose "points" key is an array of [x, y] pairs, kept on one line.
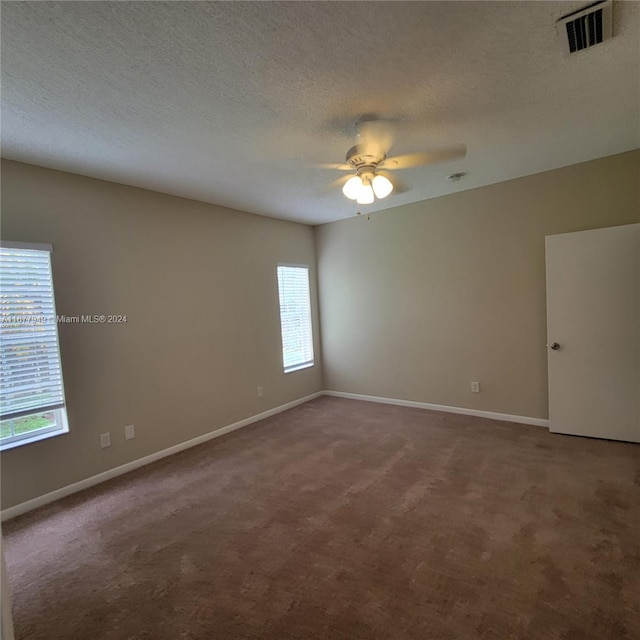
{"points": [[475, 387], [259, 390], [129, 432], [105, 440]]}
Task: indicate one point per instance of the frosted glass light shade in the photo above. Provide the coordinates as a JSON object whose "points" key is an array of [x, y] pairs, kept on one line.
{"points": [[382, 186], [352, 187], [366, 194]]}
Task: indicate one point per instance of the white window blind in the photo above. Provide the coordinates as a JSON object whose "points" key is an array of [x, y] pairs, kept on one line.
{"points": [[295, 317], [30, 369]]}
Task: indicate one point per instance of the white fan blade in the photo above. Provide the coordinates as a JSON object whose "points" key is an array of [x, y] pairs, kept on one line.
{"points": [[340, 181], [335, 166], [398, 185], [334, 185], [409, 160], [375, 136]]}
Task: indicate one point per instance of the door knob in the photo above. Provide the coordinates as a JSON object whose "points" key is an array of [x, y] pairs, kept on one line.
{"points": [[554, 345]]}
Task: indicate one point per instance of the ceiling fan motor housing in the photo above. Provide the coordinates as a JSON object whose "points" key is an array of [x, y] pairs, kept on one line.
{"points": [[363, 159]]}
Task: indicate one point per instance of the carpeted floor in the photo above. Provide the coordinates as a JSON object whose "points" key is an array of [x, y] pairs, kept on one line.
{"points": [[345, 520]]}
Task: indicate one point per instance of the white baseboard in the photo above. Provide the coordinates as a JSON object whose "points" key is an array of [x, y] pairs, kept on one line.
{"points": [[40, 501], [505, 417]]}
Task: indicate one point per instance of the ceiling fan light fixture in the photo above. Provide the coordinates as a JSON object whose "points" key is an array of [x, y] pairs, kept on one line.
{"points": [[366, 194], [352, 187], [382, 186]]}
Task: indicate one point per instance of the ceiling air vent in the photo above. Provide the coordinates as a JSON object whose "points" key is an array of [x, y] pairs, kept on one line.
{"points": [[586, 27]]}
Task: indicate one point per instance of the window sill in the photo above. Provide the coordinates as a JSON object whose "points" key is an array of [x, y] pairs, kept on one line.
{"points": [[298, 367], [59, 428], [34, 438]]}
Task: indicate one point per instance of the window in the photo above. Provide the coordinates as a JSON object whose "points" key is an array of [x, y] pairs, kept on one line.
{"points": [[31, 390], [295, 317]]}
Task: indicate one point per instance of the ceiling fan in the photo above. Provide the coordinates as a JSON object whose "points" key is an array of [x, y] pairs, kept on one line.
{"points": [[370, 167]]}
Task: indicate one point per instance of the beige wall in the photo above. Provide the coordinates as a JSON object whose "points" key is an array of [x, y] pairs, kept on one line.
{"points": [[198, 285], [422, 299], [416, 303]]}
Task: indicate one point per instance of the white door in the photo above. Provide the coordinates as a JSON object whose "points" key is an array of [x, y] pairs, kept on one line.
{"points": [[593, 331]]}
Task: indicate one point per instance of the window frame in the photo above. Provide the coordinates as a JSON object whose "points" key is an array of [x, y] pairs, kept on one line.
{"points": [[307, 364], [61, 427], [60, 412]]}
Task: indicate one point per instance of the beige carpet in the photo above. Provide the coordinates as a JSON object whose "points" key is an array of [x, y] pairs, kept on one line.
{"points": [[345, 520]]}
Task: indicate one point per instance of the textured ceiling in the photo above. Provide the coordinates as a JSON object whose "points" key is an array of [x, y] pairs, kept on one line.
{"points": [[234, 102]]}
